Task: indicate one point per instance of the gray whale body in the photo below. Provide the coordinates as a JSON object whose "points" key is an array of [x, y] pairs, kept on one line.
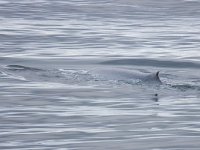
{"points": [[99, 73]]}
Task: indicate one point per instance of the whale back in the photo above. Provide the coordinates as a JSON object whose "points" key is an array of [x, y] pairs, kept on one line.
{"points": [[126, 75]]}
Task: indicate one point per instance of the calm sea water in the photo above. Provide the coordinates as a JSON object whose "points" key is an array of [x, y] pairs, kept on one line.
{"points": [[70, 74]]}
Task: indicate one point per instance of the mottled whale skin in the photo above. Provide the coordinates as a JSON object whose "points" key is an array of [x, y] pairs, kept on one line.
{"points": [[126, 75]]}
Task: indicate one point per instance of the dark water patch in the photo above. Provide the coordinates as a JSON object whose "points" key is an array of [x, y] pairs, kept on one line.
{"points": [[153, 63]]}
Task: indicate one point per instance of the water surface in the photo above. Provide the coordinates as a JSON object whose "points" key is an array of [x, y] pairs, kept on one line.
{"points": [[51, 98]]}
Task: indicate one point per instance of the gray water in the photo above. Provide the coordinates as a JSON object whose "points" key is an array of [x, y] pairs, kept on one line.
{"points": [[70, 74]]}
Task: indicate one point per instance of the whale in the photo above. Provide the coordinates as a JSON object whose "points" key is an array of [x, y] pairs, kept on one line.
{"points": [[126, 75]]}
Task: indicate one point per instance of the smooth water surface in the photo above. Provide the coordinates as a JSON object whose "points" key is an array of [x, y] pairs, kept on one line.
{"points": [[81, 74]]}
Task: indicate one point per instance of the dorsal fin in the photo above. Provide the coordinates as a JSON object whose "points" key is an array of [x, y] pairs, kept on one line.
{"points": [[157, 74]]}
